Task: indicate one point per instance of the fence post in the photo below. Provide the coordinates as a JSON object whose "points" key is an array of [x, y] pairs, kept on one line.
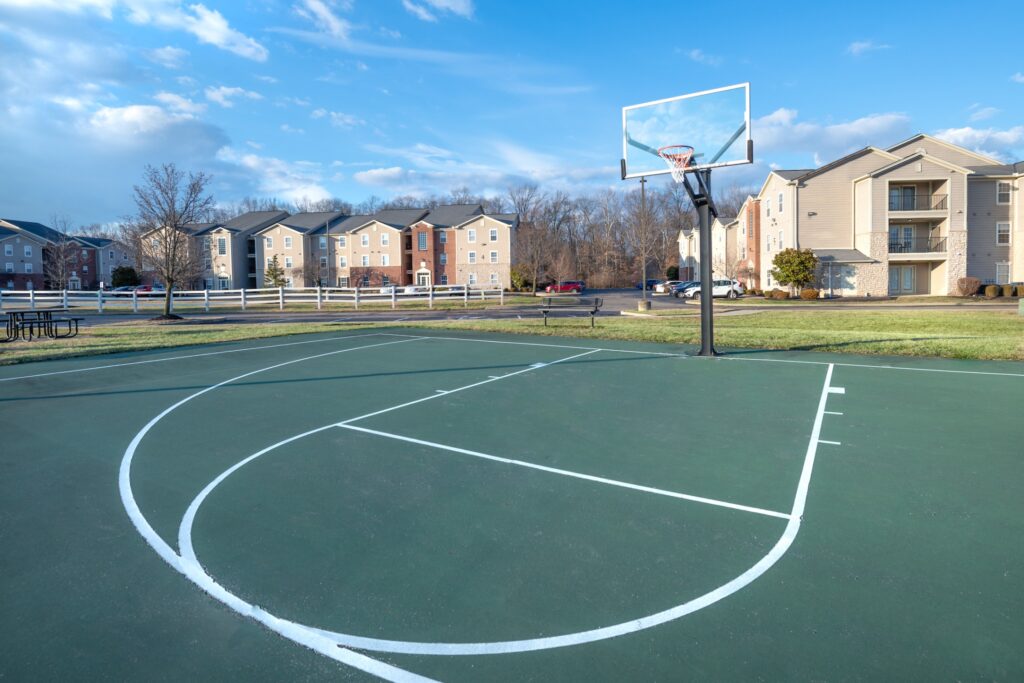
{"points": [[32, 299], [64, 298], [394, 297], [501, 298], [465, 297], [280, 298], [99, 300], [206, 300], [319, 301], [430, 297], [135, 301], [357, 297], [242, 298], [1, 300]]}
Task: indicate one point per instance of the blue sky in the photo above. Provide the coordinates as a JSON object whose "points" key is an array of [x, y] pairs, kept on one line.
{"points": [[314, 98]]}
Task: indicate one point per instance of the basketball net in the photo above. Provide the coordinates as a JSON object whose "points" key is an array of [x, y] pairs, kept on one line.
{"points": [[678, 159]]}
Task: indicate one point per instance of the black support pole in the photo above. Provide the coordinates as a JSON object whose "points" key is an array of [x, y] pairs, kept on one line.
{"points": [[707, 331]]}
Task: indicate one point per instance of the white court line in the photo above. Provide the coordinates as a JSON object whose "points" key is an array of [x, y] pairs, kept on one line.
{"points": [[468, 386], [570, 473], [288, 629], [198, 355], [830, 443], [832, 412], [837, 390]]}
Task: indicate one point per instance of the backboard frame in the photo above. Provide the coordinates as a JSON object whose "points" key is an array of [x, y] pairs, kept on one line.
{"points": [[697, 165]]}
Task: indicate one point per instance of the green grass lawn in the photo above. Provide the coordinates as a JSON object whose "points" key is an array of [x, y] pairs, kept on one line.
{"points": [[884, 301], [991, 335]]}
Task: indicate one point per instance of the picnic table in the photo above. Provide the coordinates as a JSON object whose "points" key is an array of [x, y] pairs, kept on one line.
{"points": [[28, 324]]}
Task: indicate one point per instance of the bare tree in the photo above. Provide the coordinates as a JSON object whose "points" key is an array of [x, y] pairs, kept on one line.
{"points": [[166, 202], [60, 260], [641, 232]]}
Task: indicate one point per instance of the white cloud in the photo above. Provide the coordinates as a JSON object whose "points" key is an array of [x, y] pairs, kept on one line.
{"points": [[1007, 145], [187, 81], [178, 103], [101, 7], [702, 57], [326, 20], [859, 47], [279, 178], [390, 32], [297, 101], [121, 125], [224, 96], [253, 144], [980, 113], [781, 132], [418, 11], [169, 57], [337, 118], [267, 79], [462, 8], [285, 128], [1017, 77], [318, 113]]}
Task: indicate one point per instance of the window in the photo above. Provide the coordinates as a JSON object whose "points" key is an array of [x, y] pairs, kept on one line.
{"points": [[364, 240], [444, 259], [421, 241], [222, 246], [471, 236], [743, 252], [206, 244], [365, 281], [342, 242], [768, 207], [85, 254], [28, 267], [472, 278], [289, 283], [155, 244], [270, 242], [28, 251], [111, 255], [385, 260], [208, 283], [224, 282], [287, 242], [342, 262], [385, 239], [323, 261], [85, 267], [444, 278], [494, 235], [1002, 234], [780, 202], [494, 257], [9, 267], [8, 250], [343, 282], [270, 261], [442, 236], [1002, 273], [494, 278], [1002, 192], [385, 280], [323, 242], [472, 257], [206, 262], [364, 260], [288, 262]]}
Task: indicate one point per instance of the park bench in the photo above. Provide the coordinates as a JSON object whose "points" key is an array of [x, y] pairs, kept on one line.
{"points": [[571, 303]]}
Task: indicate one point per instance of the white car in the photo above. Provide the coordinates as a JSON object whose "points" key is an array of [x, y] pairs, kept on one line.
{"points": [[666, 287], [719, 288]]}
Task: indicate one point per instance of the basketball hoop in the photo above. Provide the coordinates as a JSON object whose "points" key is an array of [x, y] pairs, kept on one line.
{"points": [[678, 159]]}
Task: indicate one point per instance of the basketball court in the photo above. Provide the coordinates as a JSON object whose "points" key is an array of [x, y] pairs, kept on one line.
{"points": [[403, 503]]}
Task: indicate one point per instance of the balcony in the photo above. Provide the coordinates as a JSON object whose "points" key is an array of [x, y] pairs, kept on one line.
{"points": [[917, 202], [918, 245]]}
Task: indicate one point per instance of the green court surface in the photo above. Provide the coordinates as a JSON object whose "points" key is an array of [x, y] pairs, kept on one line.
{"points": [[464, 507]]}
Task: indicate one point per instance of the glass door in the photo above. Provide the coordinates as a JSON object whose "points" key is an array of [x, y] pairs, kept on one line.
{"points": [[908, 194]]}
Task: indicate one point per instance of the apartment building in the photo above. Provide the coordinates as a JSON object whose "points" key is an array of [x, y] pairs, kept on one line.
{"points": [[724, 250], [748, 240], [22, 255], [228, 249], [909, 219]]}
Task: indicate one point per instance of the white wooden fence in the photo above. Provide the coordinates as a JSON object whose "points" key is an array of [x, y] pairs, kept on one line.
{"points": [[244, 299]]}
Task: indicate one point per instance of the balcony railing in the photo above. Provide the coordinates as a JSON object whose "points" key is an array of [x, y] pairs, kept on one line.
{"points": [[917, 202], [918, 245]]}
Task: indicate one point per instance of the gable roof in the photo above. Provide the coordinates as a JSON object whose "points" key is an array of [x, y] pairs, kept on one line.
{"points": [[907, 159], [842, 256], [39, 230], [399, 218], [310, 221], [999, 169], [448, 215], [925, 136], [196, 229], [847, 159], [345, 224], [511, 219], [792, 174], [7, 232], [254, 220], [95, 242]]}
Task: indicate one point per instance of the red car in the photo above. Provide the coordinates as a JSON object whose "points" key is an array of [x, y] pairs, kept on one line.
{"points": [[570, 286]]}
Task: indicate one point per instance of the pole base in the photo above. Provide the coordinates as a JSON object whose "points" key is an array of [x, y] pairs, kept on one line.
{"points": [[709, 351]]}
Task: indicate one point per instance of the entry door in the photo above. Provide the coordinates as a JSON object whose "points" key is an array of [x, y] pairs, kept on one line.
{"points": [[901, 279], [423, 279]]}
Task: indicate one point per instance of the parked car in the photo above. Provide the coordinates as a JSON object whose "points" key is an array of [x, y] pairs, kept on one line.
{"points": [[719, 288], [570, 286], [123, 290], [415, 289], [666, 287], [390, 289], [681, 286], [648, 284], [454, 290]]}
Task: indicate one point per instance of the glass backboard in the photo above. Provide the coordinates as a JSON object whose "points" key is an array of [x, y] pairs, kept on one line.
{"points": [[716, 123]]}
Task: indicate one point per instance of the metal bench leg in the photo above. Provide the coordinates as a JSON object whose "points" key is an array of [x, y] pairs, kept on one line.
{"points": [[545, 318], [591, 320]]}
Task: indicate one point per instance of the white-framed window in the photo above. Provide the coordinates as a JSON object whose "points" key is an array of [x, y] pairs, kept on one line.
{"points": [[494, 257], [780, 202], [222, 246], [323, 261], [270, 242], [223, 281], [364, 240], [471, 256], [444, 259], [8, 267], [342, 242], [442, 236], [1002, 233], [323, 242], [385, 280], [206, 243], [768, 206], [1002, 273], [343, 281], [270, 261], [494, 278], [287, 242], [154, 243], [364, 260], [85, 267], [471, 235], [743, 252], [288, 263], [207, 264], [493, 235], [385, 260], [444, 278], [385, 239], [289, 283], [1002, 192], [208, 283], [365, 281], [85, 254], [342, 262], [28, 251], [8, 250], [28, 267], [472, 278]]}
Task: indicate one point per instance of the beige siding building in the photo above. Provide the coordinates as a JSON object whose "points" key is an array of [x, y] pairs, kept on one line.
{"points": [[910, 219]]}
